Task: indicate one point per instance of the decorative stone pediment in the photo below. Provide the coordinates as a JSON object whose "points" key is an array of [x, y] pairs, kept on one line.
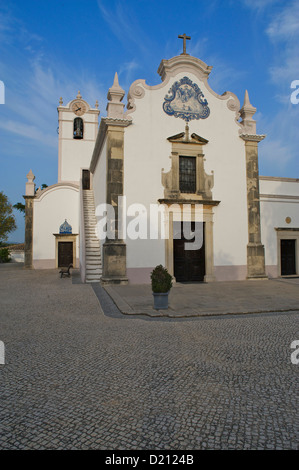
{"points": [[184, 63], [183, 137]]}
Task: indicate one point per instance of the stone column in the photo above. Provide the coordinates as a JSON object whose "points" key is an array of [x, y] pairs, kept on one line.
{"points": [[114, 249], [255, 249], [209, 246], [29, 201]]}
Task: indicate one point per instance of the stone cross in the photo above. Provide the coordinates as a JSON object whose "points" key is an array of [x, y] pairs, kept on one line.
{"points": [[184, 37]]}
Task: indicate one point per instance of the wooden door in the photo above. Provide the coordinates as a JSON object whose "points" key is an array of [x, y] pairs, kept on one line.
{"points": [[85, 179], [65, 254], [288, 257], [189, 265]]}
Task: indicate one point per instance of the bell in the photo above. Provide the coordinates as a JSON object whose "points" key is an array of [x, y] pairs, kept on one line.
{"points": [[78, 129]]}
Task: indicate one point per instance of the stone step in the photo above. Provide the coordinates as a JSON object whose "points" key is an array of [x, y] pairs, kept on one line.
{"points": [[93, 272]]}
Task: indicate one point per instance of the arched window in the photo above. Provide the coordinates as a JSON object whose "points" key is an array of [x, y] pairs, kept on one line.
{"points": [[78, 128]]}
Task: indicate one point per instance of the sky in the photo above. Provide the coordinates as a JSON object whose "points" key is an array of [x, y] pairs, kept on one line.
{"points": [[53, 48]]}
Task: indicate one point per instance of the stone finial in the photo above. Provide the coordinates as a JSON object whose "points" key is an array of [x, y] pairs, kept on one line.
{"points": [[115, 108], [96, 105], [60, 101], [30, 185], [30, 177], [246, 113], [79, 95], [115, 93]]}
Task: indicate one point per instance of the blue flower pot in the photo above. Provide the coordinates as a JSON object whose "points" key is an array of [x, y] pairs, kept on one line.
{"points": [[160, 301]]}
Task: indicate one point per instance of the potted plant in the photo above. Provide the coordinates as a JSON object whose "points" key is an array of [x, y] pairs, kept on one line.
{"points": [[161, 285]]}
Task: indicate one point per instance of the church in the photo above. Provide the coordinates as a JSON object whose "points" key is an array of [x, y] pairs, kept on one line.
{"points": [[170, 178]]}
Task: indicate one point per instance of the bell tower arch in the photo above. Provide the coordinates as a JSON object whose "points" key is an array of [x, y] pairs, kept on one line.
{"points": [[78, 127]]}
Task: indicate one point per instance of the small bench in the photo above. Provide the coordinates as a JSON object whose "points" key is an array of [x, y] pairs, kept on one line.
{"points": [[66, 271]]}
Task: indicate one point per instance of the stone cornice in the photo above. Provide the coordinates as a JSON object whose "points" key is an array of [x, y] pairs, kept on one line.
{"points": [[279, 196], [110, 121], [279, 178], [252, 137], [204, 202]]}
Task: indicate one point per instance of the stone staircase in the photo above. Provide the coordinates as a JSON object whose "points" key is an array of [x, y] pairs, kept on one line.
{"points": [[93, 262]]}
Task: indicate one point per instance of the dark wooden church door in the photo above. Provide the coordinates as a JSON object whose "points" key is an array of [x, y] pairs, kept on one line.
{"points": [[85, 179], [288, 257], [65, 254], [189, 265]]}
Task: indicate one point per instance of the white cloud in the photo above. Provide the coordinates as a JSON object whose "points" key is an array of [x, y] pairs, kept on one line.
{"points": [[29, 132], [260, 5], [285, 24]]}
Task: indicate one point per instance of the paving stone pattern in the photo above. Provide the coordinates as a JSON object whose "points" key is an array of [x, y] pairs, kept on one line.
{"points": [[76, 378]]}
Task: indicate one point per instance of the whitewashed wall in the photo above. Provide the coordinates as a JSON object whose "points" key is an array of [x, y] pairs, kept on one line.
{"points": [[99, 183], [147, 152], [279, 201], [75, 153], [56, 203]]}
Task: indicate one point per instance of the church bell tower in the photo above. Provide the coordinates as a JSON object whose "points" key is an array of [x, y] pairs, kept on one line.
{"points": [[78, 127]]}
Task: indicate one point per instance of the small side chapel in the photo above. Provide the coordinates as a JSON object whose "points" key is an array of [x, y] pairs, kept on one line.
{"points": [[178, 145]]}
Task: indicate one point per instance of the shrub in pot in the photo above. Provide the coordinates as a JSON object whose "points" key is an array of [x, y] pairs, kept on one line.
{"points": [[5, 255], [161, 284]]}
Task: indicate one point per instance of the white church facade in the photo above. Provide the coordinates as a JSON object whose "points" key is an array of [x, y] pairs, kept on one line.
{"points": [[180, 158]]}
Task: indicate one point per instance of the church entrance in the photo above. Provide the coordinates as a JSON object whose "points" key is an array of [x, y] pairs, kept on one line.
{"points": [[65, 254], [189, 265], [288, 257]]}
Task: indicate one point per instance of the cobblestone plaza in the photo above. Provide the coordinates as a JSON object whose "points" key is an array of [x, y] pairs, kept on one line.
{"points": [[80, 375]]}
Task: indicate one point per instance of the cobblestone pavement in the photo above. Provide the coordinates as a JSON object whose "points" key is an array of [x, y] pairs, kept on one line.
{"points": [[75, 378]]}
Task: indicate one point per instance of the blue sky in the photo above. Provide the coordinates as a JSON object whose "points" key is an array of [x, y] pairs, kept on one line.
{"points": [[54, 48]]}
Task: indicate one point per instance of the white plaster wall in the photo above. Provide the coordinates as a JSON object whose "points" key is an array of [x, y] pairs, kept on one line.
{"points": [[274, 212], [147, 151], [279, 186], [99, 181], [75, 153], [50, 210]]}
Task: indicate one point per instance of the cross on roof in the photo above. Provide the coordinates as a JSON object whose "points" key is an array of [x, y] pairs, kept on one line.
{"points": [[184, 37]]}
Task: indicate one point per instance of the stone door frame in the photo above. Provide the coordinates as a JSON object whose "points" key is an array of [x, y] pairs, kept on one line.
{"points": [[287, 234], [66, 237], [175, 216]]}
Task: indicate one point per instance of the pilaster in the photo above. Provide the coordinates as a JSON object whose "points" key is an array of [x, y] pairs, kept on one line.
{"points": [[114, 250], [255, 249], [29, 201]]}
